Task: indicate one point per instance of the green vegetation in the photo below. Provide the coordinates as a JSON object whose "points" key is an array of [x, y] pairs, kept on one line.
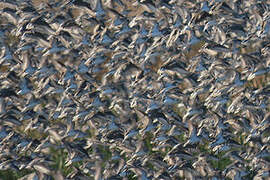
{"points": [[131, 176], [251, 173], [204, 148], [105, 152], [13, 175], [221, 164], [147, 142], [59, 156]]}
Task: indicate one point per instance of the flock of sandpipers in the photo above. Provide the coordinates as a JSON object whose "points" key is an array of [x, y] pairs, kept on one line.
{"points": [[135, 89]]}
